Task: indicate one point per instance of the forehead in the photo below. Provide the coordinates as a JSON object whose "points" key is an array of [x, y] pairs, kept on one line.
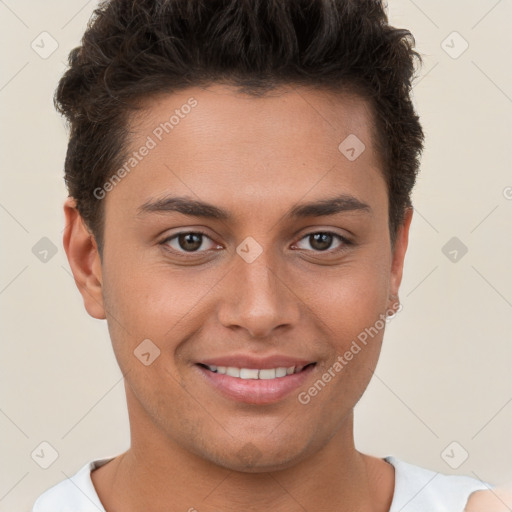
{"points": [[282, 113], [219, 143]]}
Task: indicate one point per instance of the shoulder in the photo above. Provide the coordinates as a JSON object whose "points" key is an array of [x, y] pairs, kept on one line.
{"points": [[75, 494], [418, 489]]}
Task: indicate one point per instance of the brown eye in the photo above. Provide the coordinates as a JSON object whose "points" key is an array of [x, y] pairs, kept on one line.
{"points": [[322, 242], [188, 242]]}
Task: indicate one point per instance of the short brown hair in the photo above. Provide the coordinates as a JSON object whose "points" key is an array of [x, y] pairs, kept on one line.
{"points": [[133, 49]]}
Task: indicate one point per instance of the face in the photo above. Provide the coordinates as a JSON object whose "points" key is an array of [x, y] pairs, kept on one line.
{"points": [[245, 238]]}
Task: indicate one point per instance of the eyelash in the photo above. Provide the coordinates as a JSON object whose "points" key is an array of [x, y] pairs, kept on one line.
{"points": [[192, 254]]}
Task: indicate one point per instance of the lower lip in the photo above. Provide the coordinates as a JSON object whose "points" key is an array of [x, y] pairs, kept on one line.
{"points": [[256, 391]]}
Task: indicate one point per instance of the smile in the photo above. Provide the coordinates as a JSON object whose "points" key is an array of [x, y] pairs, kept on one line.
{"points": [[255, 373], [258, 386]]}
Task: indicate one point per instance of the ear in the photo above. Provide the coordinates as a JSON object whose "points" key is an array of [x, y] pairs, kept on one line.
{"points": [[84, 259], [397, 265]]}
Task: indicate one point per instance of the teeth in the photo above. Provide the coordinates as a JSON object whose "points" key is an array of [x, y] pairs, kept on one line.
{"points": [[280, 372], [246, 373], [254, 373], [268, 374], [232, 371]]}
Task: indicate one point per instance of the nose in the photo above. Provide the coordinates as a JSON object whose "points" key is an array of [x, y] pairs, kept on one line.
{"points": [[258, 298]]}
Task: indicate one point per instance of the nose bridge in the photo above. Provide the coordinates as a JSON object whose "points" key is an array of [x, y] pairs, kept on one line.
{"points": [[258, 299]]}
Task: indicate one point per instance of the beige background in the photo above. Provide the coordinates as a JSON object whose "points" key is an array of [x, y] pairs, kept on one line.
{"points": [[446, 366]]}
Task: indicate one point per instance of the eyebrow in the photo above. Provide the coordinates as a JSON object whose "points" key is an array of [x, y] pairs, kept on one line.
{"points": [[196, 208]]}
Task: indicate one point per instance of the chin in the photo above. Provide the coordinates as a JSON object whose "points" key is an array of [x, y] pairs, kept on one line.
{"points": [[265, 464], [254, 457]]}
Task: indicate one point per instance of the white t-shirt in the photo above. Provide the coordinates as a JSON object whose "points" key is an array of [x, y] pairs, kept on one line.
{"points": [[416, 490]]}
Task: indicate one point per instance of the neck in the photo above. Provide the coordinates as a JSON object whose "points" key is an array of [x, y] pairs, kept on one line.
{"points": [[157, 473]]}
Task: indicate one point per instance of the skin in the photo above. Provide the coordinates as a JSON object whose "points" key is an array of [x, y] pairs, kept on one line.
{"points": [[499, 499], [256, 158]]}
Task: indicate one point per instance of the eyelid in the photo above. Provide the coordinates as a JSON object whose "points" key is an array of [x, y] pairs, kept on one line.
{"points": [[188, 232], [345, 242]]}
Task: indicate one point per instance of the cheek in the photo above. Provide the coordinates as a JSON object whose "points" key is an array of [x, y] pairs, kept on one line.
{"points": [[352, 319], [351, 297], [152, 302], [351, 307]]}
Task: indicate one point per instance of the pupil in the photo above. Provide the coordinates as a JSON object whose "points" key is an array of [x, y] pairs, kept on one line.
{"points": [[190, 241], [322, 241]]}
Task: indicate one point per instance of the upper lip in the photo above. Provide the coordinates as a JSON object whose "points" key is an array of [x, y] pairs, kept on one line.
{"points": [[251, 362]]}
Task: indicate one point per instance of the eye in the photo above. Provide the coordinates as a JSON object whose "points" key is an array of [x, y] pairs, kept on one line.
{"points": [[322, 241], [187, 241], [193, 242]]}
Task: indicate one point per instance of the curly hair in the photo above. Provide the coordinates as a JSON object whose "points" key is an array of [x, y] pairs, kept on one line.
{"points": [[135, 49]]}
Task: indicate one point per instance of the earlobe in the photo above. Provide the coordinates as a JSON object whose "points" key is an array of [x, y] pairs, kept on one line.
{"points": [[84, 260], [402, 240]]}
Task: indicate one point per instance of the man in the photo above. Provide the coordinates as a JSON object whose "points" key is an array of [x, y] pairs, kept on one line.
{"points": [[239, 178]]}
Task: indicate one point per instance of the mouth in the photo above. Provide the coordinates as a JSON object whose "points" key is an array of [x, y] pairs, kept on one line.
{"points": [[258, 386], [256, 373]]}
